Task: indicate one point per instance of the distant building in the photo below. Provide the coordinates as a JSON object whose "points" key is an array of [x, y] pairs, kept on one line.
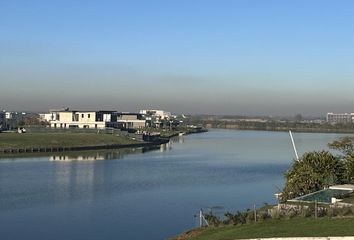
{"points": [[344, 118], [11, 120], [47, 117], [131, 120], [82, 119], [2, 120], [14, 115], [156, 118], [160, 114]]}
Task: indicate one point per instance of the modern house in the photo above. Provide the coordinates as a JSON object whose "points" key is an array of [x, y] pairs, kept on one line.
{"points": [[156, 118], [159, 114], [52, 115], [83, 119], [131, 120]]}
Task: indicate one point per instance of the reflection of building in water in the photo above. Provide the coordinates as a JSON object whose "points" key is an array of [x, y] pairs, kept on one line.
{"points": [[165, 147], [78, 158], [95, 155], [84, 179], [75, 181], [179, 139], [168, 146]]}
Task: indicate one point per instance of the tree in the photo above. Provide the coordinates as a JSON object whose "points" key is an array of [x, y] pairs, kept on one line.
{"points": [[313, 172], [30, 120], [298, 117], [345, 145]]}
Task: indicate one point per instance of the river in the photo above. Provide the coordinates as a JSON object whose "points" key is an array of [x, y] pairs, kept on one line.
{"points": [[135, 194]]}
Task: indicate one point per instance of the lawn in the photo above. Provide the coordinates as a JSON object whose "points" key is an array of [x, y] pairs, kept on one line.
{"points": [[349, 199], [297, 227], [29, 140]]}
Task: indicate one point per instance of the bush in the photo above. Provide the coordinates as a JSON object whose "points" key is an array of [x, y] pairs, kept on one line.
{"points": [[313, 172]]}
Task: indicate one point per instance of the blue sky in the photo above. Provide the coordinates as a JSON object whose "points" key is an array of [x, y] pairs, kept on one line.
{"points": [[213, 57]]}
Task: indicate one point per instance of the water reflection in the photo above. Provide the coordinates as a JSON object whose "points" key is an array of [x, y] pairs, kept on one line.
{"points": [[165, 147], [94, 155], [88, 155], [79, 158], [168, 146], [107, 199]]}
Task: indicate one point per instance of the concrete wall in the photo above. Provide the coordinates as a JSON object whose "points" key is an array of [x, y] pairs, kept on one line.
{"points": [[95, 125], [128, 117], [133, 124], [87, 117], [65, 117], [84, 120]]}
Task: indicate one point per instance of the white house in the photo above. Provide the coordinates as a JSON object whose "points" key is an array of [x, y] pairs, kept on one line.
{"points": [[131, 120], [82, 119], [160, 114]]}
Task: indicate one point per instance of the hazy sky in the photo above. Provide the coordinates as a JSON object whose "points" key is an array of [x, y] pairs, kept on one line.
{"points": [[212, 57]]}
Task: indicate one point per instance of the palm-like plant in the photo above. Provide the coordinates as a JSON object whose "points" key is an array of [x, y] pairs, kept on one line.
{"points": [[313, 171]]}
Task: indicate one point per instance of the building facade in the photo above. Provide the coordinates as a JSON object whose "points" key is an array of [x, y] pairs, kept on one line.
{"points": [[343, 118], [158, 114], [131, 120], [156, 118], [83, 119]]}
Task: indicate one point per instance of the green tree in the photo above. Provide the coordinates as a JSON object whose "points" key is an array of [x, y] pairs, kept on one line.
{"points": [[313, 172], [345, 145]]}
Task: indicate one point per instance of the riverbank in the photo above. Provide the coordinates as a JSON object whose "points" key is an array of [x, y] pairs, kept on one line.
{"points": [[14, 143], [297, 227], [173, 133], [59, 142], [279, 126]]}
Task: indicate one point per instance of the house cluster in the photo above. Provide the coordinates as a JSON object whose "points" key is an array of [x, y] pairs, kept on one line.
{"points": [[10, 120], [66, 118]]}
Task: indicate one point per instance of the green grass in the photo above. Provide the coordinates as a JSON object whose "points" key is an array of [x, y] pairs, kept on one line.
{"points": [[349, 199], [28, 140], [297, 227]]}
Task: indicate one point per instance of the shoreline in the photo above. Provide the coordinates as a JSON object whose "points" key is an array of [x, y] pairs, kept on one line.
{"points": [[56, 149], [79, 148], [282, 129]]}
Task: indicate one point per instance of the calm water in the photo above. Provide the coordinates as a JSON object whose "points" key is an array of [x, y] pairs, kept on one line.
{"points": [[150, 195]]}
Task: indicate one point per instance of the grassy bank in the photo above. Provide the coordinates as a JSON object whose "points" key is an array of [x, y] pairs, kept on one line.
{"points": [[166, 133], [34, 140], [297, 227]]}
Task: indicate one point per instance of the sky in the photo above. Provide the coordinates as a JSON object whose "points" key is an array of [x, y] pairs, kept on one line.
{"points": [[242, 57]]}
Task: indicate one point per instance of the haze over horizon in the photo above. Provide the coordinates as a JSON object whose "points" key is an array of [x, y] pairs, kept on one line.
{"points": [[204, 57]]}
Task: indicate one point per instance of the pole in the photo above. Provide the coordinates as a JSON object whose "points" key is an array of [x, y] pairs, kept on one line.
{"points": [[292, 141], [200, 218], [255, 212], [316, 209]]}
